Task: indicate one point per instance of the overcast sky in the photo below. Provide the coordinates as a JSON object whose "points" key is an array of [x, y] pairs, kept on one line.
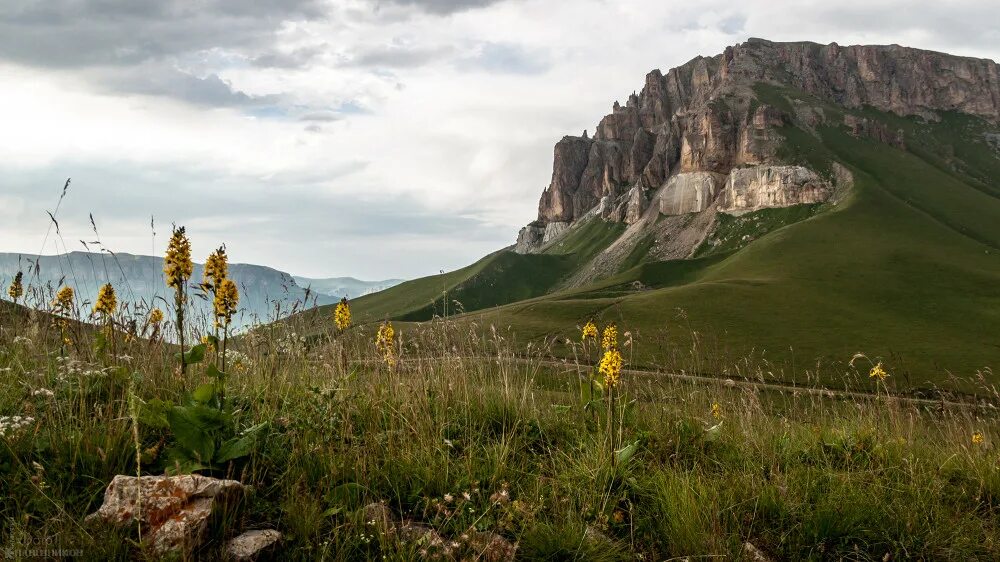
{"points": [[372, 138]]}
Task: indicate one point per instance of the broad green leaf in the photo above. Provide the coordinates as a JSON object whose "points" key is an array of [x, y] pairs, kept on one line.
{"points": [[713, 433], [204, 393], [195, 355], [238, 447], [214, 372], [191, 433], [626, 453], [346, 494], [154, 413]]}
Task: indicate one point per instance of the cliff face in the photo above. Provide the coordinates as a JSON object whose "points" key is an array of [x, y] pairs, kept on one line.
{"points": [[704, 117]]}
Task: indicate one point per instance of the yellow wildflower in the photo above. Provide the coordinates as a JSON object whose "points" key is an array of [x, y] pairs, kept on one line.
{"points": [[177, 264], [64, 300], [216, 268], [16, 289], [716, 411], [589, 331], [610, 338], [611, 367], [106, 300], [977, 438], [878, 372], [385, 343], [226, 299], [342, 315], [155, 316]]}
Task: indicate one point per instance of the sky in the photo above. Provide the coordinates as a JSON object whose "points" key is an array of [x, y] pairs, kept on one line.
{"points": [[366, 138]]}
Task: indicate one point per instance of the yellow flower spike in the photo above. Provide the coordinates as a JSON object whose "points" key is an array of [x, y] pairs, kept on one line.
{"points": [[227, 297], [64, 300], [977, 438], [878, 372], [155, 316], [589, 331], [16, 289], [106, 300], [177, 265], [342, 315], [716, 411], [216, 268], [611, 367], [610, 337], [385, 343]]}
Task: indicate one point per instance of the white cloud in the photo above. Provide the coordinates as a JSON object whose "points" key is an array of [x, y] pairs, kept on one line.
{"points": [[373, 138]]}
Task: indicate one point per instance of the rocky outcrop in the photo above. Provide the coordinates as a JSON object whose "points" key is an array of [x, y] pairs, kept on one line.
{"points": [[705, 116], [173, 511], [689, 192], [758, 187], [863, 127], [529, 238]]}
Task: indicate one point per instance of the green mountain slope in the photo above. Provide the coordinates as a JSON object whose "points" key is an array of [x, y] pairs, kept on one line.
{"points": [[906, 269]]}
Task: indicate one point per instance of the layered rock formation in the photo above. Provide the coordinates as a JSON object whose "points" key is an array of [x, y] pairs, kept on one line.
{"points": [[677, 141], [759, 187]]}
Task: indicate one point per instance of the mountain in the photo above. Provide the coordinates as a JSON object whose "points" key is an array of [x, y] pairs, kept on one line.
{"points": [[345, 286], [787, 204], [265, 293]]}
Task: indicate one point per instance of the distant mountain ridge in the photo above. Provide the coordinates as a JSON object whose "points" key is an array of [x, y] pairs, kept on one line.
{"points": [[265, 293], [345, 286]]}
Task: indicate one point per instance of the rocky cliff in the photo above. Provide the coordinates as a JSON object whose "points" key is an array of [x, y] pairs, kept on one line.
{"points": [[700, 133]]}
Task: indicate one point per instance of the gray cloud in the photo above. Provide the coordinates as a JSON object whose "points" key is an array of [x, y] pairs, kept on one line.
{"points": [[160, 80], [443, 7], [137, 46], [398, 55], [293, 59], [321, 116]]}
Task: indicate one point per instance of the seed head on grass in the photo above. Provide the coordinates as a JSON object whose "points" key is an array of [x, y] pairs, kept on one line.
{"points": [[589, 331], [107, 302], [16, 289], [342, 315]]}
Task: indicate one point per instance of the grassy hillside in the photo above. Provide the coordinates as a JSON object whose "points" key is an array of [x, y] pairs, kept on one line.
{"points": [[498, 279], [906, 269], [437, 456]]}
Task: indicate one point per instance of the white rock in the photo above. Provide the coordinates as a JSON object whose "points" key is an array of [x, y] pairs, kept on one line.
{"points": [[250, 544], [172, 510], [688, 192], [759, 187]]}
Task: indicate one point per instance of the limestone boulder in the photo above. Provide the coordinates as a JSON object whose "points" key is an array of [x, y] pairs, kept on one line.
{"points": [[173, 511], [251, 545]]}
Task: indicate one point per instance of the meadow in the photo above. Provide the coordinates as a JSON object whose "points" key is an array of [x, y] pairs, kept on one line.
{"points": [[486, 443]]}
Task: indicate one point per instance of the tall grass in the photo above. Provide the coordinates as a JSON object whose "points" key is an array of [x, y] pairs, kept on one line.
{"points": [[472, 432]]}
